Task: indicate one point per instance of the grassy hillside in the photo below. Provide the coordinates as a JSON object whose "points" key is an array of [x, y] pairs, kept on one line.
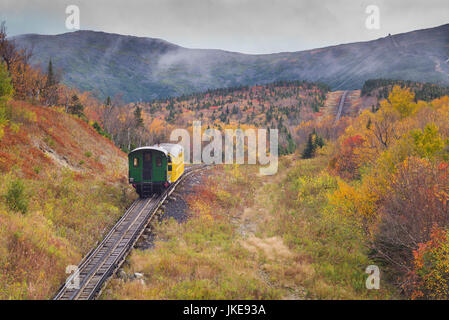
{"points": [[146, 68], [62, 186]]}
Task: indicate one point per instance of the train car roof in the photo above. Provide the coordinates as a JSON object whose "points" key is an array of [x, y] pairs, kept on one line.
{"points": [[165, 148]]}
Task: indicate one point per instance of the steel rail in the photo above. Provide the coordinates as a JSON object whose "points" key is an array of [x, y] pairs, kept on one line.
{"points": [[104, 260]]}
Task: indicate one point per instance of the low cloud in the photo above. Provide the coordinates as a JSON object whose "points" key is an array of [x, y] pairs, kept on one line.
{"points": [[249, 26]]}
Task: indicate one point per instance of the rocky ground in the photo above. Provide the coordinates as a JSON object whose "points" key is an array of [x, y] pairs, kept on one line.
{"points": [[174, 207]]}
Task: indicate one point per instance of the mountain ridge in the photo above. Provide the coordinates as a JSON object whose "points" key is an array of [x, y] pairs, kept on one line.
{"points": [[145, 68]]}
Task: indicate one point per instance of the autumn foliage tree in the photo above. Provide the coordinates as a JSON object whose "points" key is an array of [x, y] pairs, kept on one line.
{"points": [[416, 203], [429, 277], [6, 91], [6, 88], [347, 163], [28, 82]]}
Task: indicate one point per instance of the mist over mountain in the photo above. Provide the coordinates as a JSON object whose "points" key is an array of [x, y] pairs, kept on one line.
{"points": [[147, 68]]}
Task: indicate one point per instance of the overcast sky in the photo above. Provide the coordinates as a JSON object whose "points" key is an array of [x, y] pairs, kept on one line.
{"points": [[250, 26]]}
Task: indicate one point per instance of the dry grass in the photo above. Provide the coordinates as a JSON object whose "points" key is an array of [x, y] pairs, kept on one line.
{"points": [[198, 261], [272, 248]]}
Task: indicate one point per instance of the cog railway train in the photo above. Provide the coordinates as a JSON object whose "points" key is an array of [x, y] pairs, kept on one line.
{"points": [[153, 169]]}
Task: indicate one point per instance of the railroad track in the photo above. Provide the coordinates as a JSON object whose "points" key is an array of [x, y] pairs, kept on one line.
{"points": [[341, 105], [104, 260]]}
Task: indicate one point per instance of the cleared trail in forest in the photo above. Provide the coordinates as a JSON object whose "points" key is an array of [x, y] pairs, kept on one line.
{"points": [[341, 105]]}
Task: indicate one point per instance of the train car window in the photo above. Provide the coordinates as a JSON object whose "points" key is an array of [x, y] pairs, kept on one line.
{"points": [[136, 162], [158, 162], [169, 167], [169, 159], [147, 156]]}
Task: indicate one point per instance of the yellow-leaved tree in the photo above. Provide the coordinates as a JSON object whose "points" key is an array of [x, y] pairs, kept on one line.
{"points": [[401, 100]]}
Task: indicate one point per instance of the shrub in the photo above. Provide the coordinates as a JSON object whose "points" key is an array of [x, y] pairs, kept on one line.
{"points": [[100, 130], [15, 196], [347, 162], [416, 203], [226, 199], [359, 202], [430, 277], [314, 186]]}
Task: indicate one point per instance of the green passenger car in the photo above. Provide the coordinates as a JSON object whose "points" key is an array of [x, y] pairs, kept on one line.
{"points": [[152, 169]]}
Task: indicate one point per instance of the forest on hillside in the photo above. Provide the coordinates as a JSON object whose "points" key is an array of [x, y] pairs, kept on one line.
{"points": [[380, 88]]}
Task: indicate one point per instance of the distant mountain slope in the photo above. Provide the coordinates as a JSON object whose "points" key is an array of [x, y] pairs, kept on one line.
{"points": [[146, 68]]}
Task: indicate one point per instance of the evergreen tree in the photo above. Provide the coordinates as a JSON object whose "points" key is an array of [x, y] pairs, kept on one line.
{"points": [[50, 92], [310, 148], [76, 107], [319, 141], [138, 116], [51, 81], [313, 142]]}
